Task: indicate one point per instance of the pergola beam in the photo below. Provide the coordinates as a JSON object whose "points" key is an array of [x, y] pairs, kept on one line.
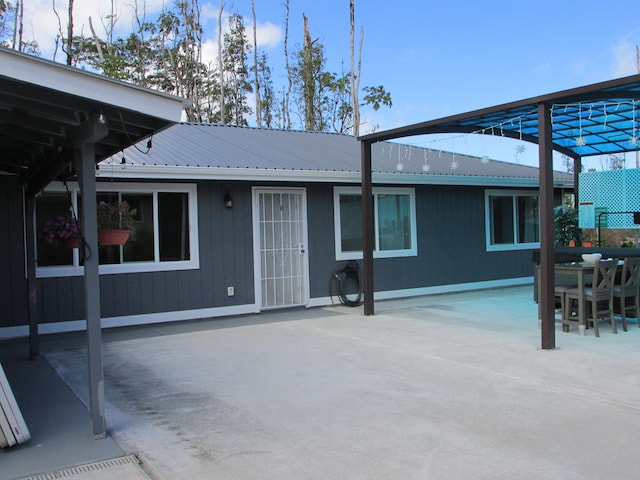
{"points": [[518, 120]]}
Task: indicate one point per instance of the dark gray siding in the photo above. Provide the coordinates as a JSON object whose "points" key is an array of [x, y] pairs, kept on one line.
{"points": [[451, 250], [451, 243], [13, 283], [322, 252], [226, 259]]}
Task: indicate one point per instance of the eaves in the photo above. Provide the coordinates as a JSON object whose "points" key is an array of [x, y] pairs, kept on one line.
{"points": [[163, 172]]}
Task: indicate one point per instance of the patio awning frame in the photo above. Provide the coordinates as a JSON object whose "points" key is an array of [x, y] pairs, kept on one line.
{"points": [[597, 119], [57, 120]]}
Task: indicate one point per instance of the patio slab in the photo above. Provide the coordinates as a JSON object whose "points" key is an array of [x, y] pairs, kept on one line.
{"points": [[445, 386]]}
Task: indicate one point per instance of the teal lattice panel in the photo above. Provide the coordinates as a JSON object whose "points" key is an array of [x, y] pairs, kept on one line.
{"points": [[615, 190]]}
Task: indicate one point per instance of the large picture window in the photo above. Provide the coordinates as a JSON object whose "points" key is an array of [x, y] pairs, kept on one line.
{"points": [[164, 234], [512, 220], [395, 224]]}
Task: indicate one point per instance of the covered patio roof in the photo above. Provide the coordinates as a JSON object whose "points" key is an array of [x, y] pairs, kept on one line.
{"points": [[48, 109], [597, 119], [55, 119], [602, 118]]}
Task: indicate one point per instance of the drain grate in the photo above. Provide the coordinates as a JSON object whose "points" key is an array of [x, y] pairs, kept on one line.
{"points": [[87, 468]]}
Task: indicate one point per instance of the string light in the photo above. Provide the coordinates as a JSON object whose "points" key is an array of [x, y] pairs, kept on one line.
{"points": [[634, 136], [580, 141], [399, 166], [454, 163], [425, 166], [515, 126]]}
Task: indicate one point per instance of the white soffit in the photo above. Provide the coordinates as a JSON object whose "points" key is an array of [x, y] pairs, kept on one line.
{"points": [[62, 78]]}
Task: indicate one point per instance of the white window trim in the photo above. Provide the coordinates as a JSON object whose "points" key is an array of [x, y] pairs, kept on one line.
{"points": [[136, 267], [340, 255], [487, 212]]}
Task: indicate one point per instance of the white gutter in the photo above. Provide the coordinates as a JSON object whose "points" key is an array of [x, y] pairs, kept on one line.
{"points": [[182, 173]]}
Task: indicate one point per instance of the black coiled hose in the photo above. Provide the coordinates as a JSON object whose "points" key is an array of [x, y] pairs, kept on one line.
{"points": [[350, 274]]}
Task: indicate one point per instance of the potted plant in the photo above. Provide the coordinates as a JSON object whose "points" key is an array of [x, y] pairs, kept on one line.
{"points": [[62, 229], [115, 222]]}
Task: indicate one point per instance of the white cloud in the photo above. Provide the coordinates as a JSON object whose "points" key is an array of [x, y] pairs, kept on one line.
{"points": [[42, 24], [210, 52], [624, 58], [542, 68], [269, 35]]}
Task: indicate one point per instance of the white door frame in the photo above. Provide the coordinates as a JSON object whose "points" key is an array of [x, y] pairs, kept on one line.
{"points": [[257, 266]]}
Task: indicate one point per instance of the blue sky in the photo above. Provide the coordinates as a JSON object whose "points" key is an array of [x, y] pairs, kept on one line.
{"points": [[436, 58]]}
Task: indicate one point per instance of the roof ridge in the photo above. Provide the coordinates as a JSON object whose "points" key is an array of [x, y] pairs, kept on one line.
{"points": [[264, 129]]}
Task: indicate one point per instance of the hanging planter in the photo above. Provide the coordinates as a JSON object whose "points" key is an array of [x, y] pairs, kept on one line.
{"points": [[62, 229], [115, 222], [113, 237], [72, 242]]}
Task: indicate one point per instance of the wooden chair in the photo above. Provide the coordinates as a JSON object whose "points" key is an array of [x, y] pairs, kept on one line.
{"points": [[599, 296], [629, 288], [560, 299]]}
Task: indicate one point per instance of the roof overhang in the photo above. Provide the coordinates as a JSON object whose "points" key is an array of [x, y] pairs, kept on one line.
{"points": [[48, 109], [596, 119], [165, 172]]}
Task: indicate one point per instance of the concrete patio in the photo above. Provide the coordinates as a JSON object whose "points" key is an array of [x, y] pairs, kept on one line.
{"points": [[438, 387]]}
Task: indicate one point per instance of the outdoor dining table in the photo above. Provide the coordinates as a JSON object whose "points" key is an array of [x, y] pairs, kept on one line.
{"points": [[583, 272]]}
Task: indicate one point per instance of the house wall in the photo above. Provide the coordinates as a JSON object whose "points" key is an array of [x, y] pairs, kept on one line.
{"points": [[451, 244], [451, 250], [226, 259], [13, 282]]}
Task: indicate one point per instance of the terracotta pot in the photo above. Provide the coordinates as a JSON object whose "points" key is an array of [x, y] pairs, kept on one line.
{"points": [[72, 243], [113, 237]]}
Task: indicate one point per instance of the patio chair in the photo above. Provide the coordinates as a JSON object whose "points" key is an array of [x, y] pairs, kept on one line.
{"points": [[599, 296], [628, 288], [560, 307]]}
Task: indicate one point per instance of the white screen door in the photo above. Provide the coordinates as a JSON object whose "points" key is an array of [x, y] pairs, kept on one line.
{"points": [[281, 235]]}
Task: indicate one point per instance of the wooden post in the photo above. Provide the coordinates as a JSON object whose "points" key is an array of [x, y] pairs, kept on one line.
{"points": [[547, 274], [32, 282], [368, 240], [84, 162]]}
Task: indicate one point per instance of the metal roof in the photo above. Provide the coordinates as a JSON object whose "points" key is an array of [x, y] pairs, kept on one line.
{"points": [[47, 109], [592, 120], [194, 150]]}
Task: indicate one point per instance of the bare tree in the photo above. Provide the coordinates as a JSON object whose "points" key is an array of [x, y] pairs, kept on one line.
{"points": [[70, 34], [17, 26], [355, 77], [568, 163], [220, 66], [287, 93], [256, 77], [307, 71], [66, 40]]}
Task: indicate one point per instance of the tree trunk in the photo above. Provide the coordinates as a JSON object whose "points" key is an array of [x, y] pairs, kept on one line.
{"points": [[70, 34], [97, 41], [308, 86], [220, 67], [255, 67], [354, 92], [287, 94]]}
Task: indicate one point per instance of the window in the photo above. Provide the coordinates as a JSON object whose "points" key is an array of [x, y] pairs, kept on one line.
{"points": [[395, 225], [512, 220], [164, 238]]}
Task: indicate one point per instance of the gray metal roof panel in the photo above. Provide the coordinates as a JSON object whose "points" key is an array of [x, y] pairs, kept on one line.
{"points": [[222, 146]]}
